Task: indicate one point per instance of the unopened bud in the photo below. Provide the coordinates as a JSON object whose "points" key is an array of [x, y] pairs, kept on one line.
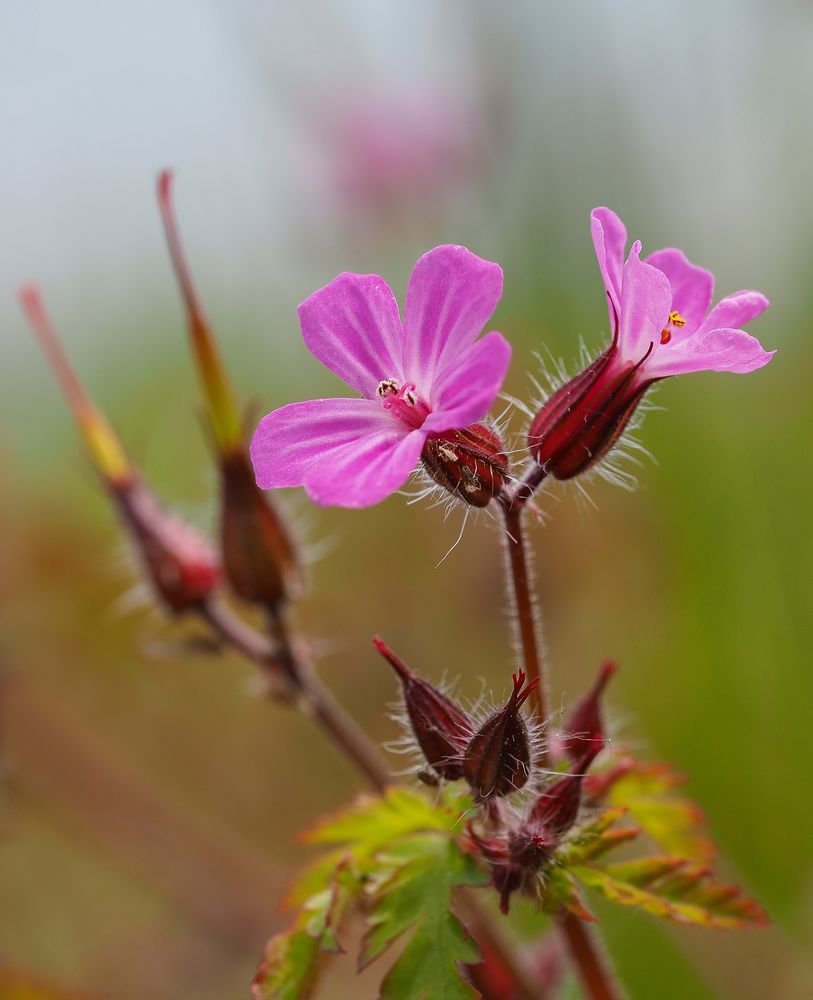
{"points": [[513, 860], [557, 809], [259, 558], [498, 759], [469, 463], [442, 729], [584, 729], [178, 560], [583, 419]]}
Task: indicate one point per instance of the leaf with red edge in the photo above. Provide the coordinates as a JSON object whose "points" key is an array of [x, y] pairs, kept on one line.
{"points": [[596, 838], [673, 889], [293, 959], [674, 822]]}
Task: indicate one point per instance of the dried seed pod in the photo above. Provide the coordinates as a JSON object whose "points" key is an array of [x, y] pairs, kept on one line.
{"points": [[498, 759], [443, 730]]}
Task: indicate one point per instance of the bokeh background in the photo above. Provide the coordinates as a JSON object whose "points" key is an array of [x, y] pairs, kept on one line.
{"points": [[150, 801]]}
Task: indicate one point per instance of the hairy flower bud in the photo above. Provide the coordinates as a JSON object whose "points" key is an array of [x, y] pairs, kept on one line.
{"points": [[513, 860], [584, 728], [469, 463], [443, 730], [583, 419], [557, 808], [498, 759]]}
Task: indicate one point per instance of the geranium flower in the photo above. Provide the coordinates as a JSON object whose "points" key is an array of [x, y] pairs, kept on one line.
{"points": [[418, 378], [662, 326]]}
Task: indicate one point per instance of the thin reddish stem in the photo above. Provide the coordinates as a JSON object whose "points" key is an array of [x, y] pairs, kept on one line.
{"points": [[593, 969], [525, 611]]}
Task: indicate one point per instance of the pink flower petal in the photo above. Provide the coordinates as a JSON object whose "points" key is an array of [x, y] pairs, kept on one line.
{"points": [[645, 303], [721, 350], [692, 288], [450, 296], [353, 327], [735, 311], [289, 441], [366, 470], [610, 241], [464, 392]]}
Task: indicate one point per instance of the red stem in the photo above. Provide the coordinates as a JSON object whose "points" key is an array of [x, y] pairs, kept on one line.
{"points": [[593, 969]]}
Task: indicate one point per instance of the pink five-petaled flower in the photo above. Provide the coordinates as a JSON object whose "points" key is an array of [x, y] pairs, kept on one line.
{"points": [[662, 326], [418, 378]]}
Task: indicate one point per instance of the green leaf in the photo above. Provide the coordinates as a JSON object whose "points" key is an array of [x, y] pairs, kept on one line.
{"points": [[293, 959], [416, 895], [674, 822], [558, 891], [673, 889], [373, 821], [597, 838]]}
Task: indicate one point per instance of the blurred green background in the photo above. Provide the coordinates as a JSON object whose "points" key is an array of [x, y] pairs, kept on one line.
{"points": [[150, 801]]}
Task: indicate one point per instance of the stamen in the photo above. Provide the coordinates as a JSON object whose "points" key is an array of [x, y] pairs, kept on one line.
{"points": [[676, 319], [666, 335], [387, 387]]}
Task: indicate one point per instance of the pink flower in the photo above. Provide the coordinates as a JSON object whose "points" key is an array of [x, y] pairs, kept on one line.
{"points": [[417, 379], [662, 325]]}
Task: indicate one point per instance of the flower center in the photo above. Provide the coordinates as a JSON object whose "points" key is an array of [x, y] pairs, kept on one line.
{"points": [[404, 403], [675, 320]]}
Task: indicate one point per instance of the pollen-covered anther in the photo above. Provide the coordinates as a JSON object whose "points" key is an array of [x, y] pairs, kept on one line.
{"points": [[498, 758], [442, 729], [470, 464], [387, 387]]}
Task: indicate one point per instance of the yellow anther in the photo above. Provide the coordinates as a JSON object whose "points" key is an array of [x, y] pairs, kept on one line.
{"points": [[676, 319]]}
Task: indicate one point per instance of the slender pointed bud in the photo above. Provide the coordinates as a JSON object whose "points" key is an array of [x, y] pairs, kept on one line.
{"points": [[583, 419], [105, 449], [557, 809], [469, 463], [442, 729], [585, 729], [223, 413], [259, 557], [498, 759], [179, 561]]}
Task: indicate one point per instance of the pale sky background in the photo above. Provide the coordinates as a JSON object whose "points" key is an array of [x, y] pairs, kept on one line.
{"points": [[714, 102]]}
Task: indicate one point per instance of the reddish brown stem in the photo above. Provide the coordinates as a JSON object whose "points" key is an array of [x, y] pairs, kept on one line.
{"points": [[525, 611], [593, 969]]}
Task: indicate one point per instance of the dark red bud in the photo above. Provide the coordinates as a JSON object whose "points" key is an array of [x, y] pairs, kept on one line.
{"points": [[469, 463], [584, 729], [583, 419], [513, 860], [179, 561], [557, 808], [443, 730], [498, 760], [259, 558]]}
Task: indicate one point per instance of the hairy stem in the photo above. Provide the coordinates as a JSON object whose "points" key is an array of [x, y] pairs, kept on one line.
{"points": [[592, 967], [590, 964], [525, 611]]}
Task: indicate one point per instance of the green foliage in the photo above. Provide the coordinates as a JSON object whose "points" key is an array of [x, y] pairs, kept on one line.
{"points": [[674, 822], [417, 896], [397, 854], [672, 888]]}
